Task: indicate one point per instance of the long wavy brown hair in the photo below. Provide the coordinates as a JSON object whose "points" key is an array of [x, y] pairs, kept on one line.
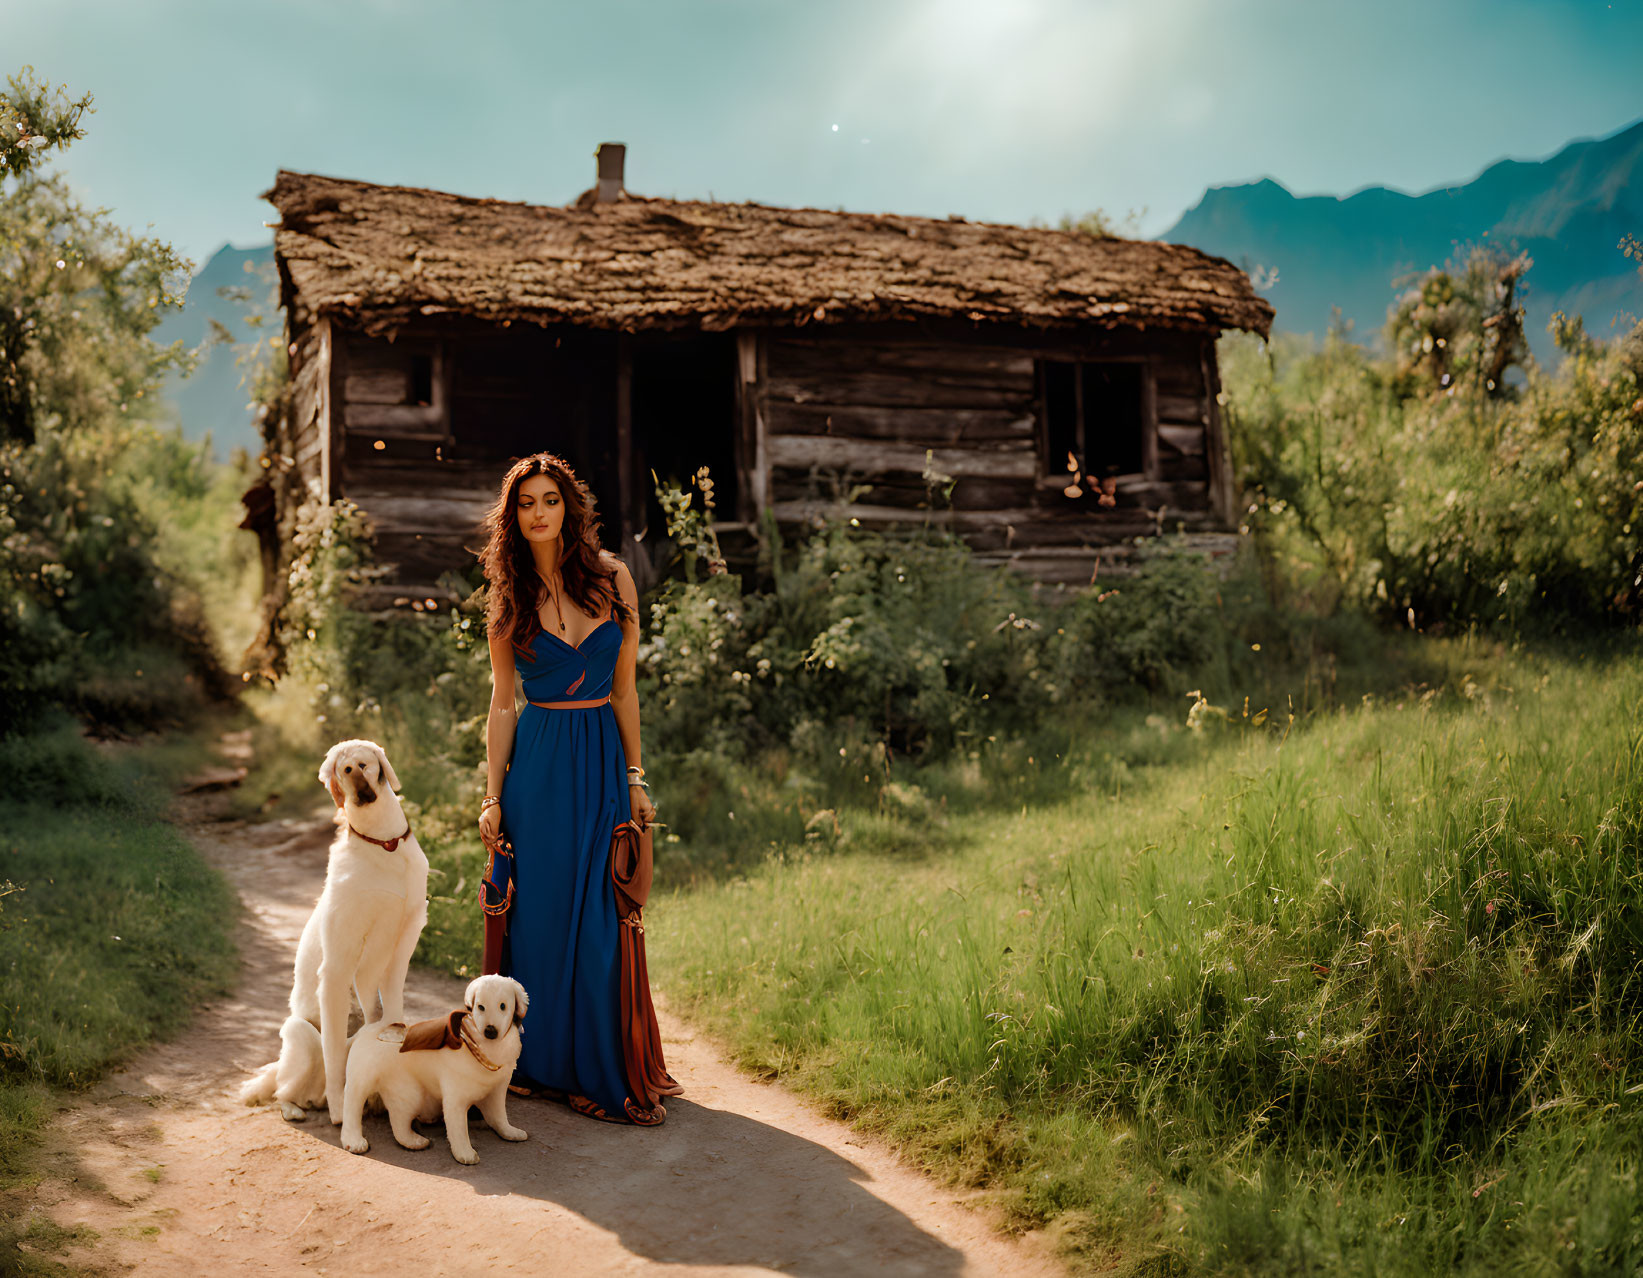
{"points": [[516, 588]]}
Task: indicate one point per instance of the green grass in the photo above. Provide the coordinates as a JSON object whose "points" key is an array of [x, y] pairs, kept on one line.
{"points": [[1356, 996], [116, 929]]}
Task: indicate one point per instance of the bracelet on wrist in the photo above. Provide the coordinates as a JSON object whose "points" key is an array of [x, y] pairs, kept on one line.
{"points": [[488, 802]]}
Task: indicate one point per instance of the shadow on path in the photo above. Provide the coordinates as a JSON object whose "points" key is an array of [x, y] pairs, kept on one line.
{"points": [[742, 1178], [708, 1187]]}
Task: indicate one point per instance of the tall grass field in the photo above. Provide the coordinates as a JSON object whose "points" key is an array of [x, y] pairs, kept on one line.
{"points": [[1359, 995]]}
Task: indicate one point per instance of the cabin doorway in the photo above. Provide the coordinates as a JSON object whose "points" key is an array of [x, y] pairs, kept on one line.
{"points": [[684, 418]]}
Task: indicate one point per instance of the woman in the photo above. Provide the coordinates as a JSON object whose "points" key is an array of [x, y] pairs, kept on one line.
{"points": [[562, 775]]}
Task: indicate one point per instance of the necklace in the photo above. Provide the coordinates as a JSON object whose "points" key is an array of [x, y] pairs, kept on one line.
{"points": [[557, 610]]}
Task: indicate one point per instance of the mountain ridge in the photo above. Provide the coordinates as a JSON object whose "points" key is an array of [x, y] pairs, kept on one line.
{"points": [[1568, 211]]}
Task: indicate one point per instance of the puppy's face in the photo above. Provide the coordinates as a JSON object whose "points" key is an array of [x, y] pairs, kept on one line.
{"points": [[495, 1004], [356, 772]]}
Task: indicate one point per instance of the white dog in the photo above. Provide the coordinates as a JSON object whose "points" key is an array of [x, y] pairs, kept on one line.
{"points": [[360, 935], [438, 1069]]}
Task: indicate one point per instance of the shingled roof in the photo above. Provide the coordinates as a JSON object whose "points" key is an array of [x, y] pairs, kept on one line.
{"points": [[378, 256]]}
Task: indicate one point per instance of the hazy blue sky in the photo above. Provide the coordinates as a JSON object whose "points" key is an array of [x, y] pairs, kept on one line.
{"points": [[997, 109]]}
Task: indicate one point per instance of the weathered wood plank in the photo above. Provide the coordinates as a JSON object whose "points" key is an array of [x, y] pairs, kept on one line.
{"points": [[328, 407], [306, 443], [1131, 491], [392, 417], [923, 427], [880, 390], [1030, 341], [437, 512], [1183, 409], [360, 450], [378, 354], [1179, 375], [973, 493], [1016, 461], [421, 557], [378, 386], [1180, 440], [1182, 468], [1177, 494], [380, 473], [805, 511], [1038, 526], [979, 364]]}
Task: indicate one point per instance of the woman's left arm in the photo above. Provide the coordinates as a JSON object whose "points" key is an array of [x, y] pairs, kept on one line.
{"points": [[624, 693]]}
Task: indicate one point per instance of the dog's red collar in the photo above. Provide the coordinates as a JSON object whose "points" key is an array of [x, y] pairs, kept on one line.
{"points": [[389, 844]]}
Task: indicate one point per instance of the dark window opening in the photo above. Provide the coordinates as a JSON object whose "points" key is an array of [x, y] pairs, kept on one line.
{"points": [[1094, 420], [422, 379]]}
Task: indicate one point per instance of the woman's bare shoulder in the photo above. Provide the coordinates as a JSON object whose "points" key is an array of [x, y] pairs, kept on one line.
{"points": [[616, 567]]}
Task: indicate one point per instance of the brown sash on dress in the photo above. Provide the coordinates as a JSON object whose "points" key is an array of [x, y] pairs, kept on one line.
{"points": [[632, 866]]}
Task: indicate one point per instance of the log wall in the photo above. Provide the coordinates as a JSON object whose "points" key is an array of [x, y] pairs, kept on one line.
{"points": [[830, 422], [303, 445], [850, 422]]}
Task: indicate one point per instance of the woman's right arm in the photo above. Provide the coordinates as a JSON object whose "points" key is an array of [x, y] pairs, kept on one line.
{"points": [[499, 730]]}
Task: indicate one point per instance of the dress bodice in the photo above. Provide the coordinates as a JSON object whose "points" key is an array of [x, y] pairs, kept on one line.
{"points": [[553, 669]]}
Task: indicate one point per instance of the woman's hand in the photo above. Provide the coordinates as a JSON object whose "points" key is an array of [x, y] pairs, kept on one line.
{"points": [[644, 811], [490, 825]]}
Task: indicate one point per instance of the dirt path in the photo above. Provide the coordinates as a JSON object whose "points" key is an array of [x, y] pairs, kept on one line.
{"points": [[178, 1178]]}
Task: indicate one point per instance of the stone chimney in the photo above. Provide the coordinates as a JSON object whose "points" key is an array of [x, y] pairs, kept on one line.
{"points": [[611, 156]]}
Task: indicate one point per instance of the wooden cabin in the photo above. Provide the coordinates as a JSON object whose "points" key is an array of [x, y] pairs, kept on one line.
{"points": [[818, 362]]}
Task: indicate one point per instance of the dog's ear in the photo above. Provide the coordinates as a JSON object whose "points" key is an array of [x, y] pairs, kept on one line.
{"points": [[328, 772], [521, 1001], [471, 993], [388, 774]]}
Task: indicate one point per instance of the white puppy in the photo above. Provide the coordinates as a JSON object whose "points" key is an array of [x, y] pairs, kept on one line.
{"points": [[359, 937], [438, 1069]]}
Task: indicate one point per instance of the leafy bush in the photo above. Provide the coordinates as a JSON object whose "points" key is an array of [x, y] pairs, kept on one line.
{"points": [[919, 647], [1162, 629], [1449, 506], [90, 619], [905, 638]]}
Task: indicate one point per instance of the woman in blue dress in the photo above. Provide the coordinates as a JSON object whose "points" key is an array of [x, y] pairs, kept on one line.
{"points": [[563, 774]]}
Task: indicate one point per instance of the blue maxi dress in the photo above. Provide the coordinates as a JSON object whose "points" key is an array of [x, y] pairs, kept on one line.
{"points": [[565, 792]]}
